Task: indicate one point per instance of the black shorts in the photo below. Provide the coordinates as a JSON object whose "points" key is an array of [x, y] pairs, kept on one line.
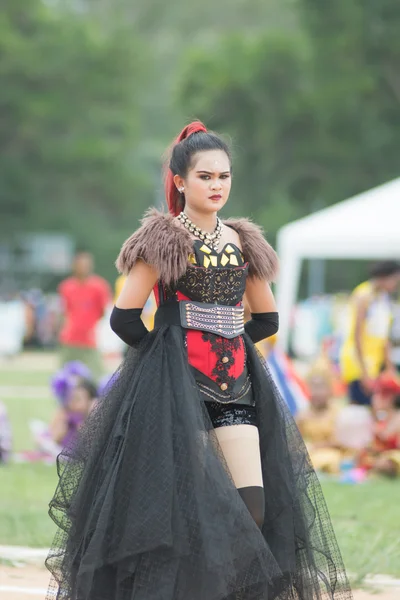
{"points": [[222, 415], [358, 395]]}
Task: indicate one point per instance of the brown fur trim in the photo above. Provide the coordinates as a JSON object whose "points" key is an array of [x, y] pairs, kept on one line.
{"points": [[161, 242], [262, 258], [165, 245]]}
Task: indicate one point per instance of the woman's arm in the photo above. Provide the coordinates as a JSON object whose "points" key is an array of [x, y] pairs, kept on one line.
{"points": [[362, 305], [125, 318], [389, 366], [137, 286], [259, 296], [264, 317]]}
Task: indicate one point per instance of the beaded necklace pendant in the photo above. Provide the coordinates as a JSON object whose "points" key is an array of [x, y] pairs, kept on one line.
{"points": [[212, 239]]}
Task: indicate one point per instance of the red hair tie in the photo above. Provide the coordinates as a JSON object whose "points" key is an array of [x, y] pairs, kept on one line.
{"points": [[171, 193]]}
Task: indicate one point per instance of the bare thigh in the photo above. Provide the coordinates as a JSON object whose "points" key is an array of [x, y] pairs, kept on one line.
{"points": [[240, 445]]}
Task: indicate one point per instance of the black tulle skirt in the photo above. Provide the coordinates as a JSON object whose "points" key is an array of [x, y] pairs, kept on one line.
{"points": [[147, 510]]}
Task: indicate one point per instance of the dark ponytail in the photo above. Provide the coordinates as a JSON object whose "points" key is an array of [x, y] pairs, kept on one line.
{"points": [[192, 139]]}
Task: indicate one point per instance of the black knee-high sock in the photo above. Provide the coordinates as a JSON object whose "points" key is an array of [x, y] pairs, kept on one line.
{"points": [[253, 497]]}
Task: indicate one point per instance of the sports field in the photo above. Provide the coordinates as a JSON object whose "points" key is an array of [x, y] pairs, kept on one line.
{"points": [[366, 516]]}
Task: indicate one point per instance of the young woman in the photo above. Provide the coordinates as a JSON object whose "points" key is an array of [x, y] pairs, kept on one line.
{"points": [[190, 480], [366, 348]]}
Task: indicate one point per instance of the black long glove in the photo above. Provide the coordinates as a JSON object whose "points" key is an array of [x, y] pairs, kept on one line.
{"points": [[262, 325], [128, 325]]}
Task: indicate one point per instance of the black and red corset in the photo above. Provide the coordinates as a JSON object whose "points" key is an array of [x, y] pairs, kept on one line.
{"points": [[213, 278]]}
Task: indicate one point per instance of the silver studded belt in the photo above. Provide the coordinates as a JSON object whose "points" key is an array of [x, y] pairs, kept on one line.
{"points": [[226, 321]]}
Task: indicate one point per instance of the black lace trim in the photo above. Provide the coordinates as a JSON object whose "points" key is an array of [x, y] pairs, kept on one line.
{"points": [[223, 347], [220, 286]]}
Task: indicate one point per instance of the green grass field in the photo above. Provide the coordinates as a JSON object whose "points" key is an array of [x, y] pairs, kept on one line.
{"points": [[21, 411], [25, 493], [366, 520], [365, 517], [24, 378]]}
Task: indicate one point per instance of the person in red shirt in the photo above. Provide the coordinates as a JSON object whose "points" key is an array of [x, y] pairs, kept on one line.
{"points": [[85, 297]]}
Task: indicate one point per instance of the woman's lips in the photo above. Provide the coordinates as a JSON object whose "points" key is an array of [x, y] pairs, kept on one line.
{"points": [[216, 197]]}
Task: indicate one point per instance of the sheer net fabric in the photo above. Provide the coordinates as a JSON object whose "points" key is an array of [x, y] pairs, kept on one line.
{"points": [[146, 508]]}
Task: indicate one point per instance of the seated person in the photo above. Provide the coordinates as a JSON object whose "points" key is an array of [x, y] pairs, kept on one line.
{"points": [[77, 396], [388, 460], [70, 417], [318, 421], [384, 454], [354, 431]]}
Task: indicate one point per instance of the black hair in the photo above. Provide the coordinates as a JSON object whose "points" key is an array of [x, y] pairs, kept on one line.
{"points": [[201, 141], [396, 402], [89, 386], [82, 250], [193, 138], [385, 269]]}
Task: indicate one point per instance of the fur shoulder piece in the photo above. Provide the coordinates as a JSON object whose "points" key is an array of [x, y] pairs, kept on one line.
{"points": [[262, 258], [161, 243]]}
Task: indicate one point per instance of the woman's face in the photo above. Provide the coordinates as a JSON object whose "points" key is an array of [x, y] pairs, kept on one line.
{"points": [[208, 181], [79, 401], [390, 283], [320, 392]]}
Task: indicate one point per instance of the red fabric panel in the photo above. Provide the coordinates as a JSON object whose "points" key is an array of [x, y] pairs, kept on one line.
{"points": [[202, 356]]}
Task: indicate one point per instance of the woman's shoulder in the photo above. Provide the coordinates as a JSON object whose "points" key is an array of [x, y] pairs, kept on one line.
{"points": [[161, 242], [262, 258]]}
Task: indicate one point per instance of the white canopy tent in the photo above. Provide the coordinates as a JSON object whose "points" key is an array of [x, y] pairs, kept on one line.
{"points": [[366, 226]]}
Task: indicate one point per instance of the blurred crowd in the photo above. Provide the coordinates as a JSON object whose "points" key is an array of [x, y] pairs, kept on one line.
{"points": [[362, 434], [345, 395], [348, 439]]}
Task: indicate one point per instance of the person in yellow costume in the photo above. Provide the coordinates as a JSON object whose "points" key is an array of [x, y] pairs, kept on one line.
{"points": [[365, 350], [119, 284]]}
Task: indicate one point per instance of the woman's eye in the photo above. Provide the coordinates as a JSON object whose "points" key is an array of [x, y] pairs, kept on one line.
{"points": [[208, 177]]}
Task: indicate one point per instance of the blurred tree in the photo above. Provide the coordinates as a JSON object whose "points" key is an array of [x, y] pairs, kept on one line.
{"points": [[69, 126], [257, 90], [91, 91], [314, 112], [170, 29], [162, 21], [356, 53]]}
